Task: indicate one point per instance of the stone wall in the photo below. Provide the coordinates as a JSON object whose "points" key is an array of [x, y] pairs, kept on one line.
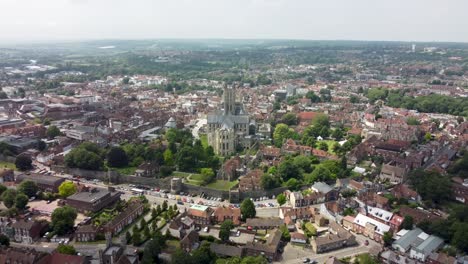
{"points": [[165, 183], [7, 158], [114, 177]]}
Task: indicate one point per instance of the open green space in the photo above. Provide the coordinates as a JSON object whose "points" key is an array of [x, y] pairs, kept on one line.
{"points": [[204, 140], [330, 144], [222, 185], [126, 170], [8, 165]]}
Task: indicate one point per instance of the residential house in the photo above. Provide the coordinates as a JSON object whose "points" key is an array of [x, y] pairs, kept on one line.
{"points": [[58, 258], [460, 189], [269, 249], [223, 213], [336, 238], [264, 223], [93, 199], [441, 258], [297, 199], [44, 182], [27, 231], [291, 215], [86, 233], [418, 215], [16, 255], [391, 257], [181, 225], [306, 118], [370, 227], [134, 209], [115, 254], [298, 238], [190, 242], [326, 190], [405, 192], [201, 214], [393, 174], [224, 250]]}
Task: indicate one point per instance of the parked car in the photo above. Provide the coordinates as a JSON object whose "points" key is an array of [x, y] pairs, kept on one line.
{"points": [[306, 260], [206, 229]]}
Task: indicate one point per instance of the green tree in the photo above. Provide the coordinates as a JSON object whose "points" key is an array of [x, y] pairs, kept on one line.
{"points": [[4, 240], [67, 188], [208, 175], [28, 187], [412, 121], [83, 158], [288, 170], [66, 249], [63, 219], [303, 162], [281, 199], [292, 184], [285, 235], [117, 157], [407, 222], [427, 137], [431, 185], [23, 162], [52, 132], [168, 157], [8, 198], [248, 209], [269, 181], [3, 188], [387, 238], [460, 237], [225, 230], [21, 201], [136, 238], [323, 146], [289, 119], [153, 248], [281, 133], [180, 257], [41, 145]]}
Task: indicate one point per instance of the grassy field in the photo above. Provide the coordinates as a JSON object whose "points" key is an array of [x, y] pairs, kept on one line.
{"points": [[222, 185], [126, 170], [204, 140], [330, 144], [9, 165]]}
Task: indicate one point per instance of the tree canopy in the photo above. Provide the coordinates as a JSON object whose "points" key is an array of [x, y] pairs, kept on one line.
{"points": [[28, 187], [225, 230], [117, 157], [63, 219], [67, 188], [248, 209], [23, 162]]}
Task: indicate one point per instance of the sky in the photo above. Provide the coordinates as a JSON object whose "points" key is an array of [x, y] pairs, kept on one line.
{"points": [[394, 20]]}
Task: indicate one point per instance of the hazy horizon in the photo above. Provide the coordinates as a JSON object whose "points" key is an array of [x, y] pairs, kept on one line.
{"points": [[360, 20]]}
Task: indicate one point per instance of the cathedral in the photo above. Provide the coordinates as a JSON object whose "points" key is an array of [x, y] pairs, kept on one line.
{"points": [[228, 128]]}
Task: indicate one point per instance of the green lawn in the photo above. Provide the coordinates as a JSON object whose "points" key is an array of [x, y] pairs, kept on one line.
{"points": [[204, 140], [9, 165], [126, 170], [181, 174], [330, 144], [222, 185], [196, 177]]}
